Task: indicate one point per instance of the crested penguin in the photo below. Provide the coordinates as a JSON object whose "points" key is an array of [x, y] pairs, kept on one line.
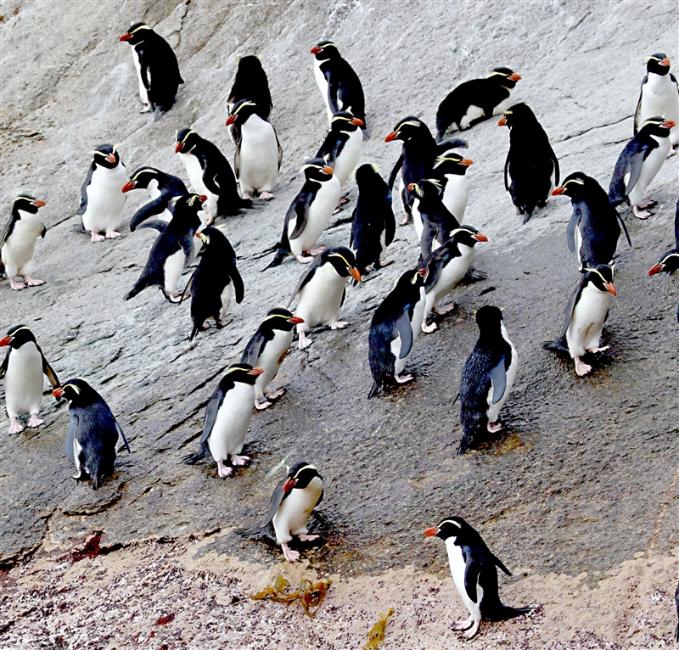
{"points": [[342, 146], [669, 262], [450, 169], [250, 82]]}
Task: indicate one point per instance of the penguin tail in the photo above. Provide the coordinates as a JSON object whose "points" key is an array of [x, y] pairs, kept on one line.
{"points": [[504, 612], [374, 390], [193, 459], [466, 443], [280, 255], [135, 290], [559, 345], [194, 331], [452, 143]]}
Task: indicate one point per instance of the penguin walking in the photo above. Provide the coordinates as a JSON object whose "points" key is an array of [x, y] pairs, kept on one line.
{"points": [[309, 213], [473, 567], [342, 146], [227, 418], [157, 68], [291, 504], [586, 313], [594, 226], [638, 164], [450, 169], [659, 94], [447, 265], [339, 84], [210, 174], [101, 201], [214, 281], [162, 188], [251, 83], [267, 350], [94, 434], [172, 250], [669, 262], [487, 377], [373, 225], [531, 167], [475, 100], [258, 156], [17, 241], [394, 328], [22, 369], [321, 290]]}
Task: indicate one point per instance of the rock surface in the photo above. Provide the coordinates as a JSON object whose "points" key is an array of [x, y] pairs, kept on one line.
{"points": [[586, 477]]}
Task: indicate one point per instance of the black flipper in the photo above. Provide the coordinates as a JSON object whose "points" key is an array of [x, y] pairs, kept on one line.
{"points": [[394, 171]]}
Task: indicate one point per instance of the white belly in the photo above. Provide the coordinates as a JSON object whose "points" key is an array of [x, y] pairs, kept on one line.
{"points": [[23, 380], [660, 97], [226, 301], [455, 195], [587, 321], [494, 410], [143, 94], [231, 425], [320, 300], [349, 156], [323, 87], [457, 571], [195, 173], [417, 218], [17, 251], [321, 210], [105, 200], [650, 167], [258, 156], [473, 113], [271, 358], [293, 513], [173, 269], [453, 272]]}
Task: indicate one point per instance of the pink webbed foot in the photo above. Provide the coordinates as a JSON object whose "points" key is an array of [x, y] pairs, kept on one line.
{"points": [[290, 555], [223, 470], [304, 537], [403, 379], [581, 368], [35, 421], [265, 196], [33, 282], [112, 234], [240, 461], [95, 236], [17, 285], [494, 427], [15, 426]]}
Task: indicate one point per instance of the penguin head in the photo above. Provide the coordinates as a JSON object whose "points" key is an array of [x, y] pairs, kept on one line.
{"points": [[343, 261], [141, 178], [249, 64], [452, 162], [77, 391], [27, 203], [427, 188], [280, 319], [407, 129], [366, 174], [136, 34], [241, 373], [210, 237], [489, 319], [504, 77], [658, 63], [454, 528], [601, 276], [299, 476], [575, 186], [519, 114], [187, 206], [17, 336], [468, 236], [241, 111], [105, 155], [325, 51], [187, 139], [345, 122], [414, 278], [657, 126], [317, 169]]}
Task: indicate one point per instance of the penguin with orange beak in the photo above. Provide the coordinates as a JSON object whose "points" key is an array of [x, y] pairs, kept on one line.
{"points": [[669, 262], [450, 168], [162, 188], [342, 146]]}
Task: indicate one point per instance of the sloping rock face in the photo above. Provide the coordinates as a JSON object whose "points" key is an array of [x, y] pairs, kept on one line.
{"points": [[583, 478]]}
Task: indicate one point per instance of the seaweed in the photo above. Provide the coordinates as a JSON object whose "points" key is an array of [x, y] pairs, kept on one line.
{"points": [[376, 634], [309, 595]]}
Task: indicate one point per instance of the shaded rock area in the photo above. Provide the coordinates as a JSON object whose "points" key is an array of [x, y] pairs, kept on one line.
{"points": [[584, 481]]}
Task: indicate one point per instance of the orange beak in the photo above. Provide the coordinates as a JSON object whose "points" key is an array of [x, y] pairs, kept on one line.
{"points": [[515, 76], [315, 49], [611, 289], [255, 372], [295, 320], [466, 162], [479, 236], [327, 170], [58, 393], [5, 340], [656, 268], [203, 198], [355, 273], [289, 484], [179, 147], [668, 124], [358, 121], [125, 37], [230, 120], [390, 137], [502, 121], [558, 191], [130, 185], [423, 271], [431, 532], [111, 158], [665, 62], [39, 204], [411, 187]]}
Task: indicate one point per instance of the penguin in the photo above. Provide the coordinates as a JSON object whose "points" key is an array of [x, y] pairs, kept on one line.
{"points": [[594, 226], [321, 290], [267, 349], [669, 262], [93, 434], [101, 201], [309, 213], [393, 330], [157, 68], [342, 146], [676, 606], [476, 100], [531, 167], [340, 86], [373, 225], [659, 94], [447, 265], [417, 156], [638, 164], [23, 368], [172, 250], [214, 281], [227, 418], [291, 504], [259, 155], [210, 174], [473, 567], [450, 169], [586, 313], [17, 241], [250, 82], [162, 188], [487, 377]]}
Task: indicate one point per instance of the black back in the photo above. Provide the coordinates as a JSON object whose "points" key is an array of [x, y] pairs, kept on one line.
{"points": [[169, 187]]}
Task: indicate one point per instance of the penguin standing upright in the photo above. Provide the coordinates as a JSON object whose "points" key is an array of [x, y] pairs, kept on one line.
{"points": [[473, 567], [214, 281], [339, 85], [17, 241], [101, 201], [659, 94], [450, 169], [210, 174], [250, 82], [227, 418], [638, 164], [157, 68], [373, 225], [594, 226], [586, 313], [309, 213], [394, 328], [487, 377], [321, 289], [342, 146], [291, 505], [447, 265], [531, 167], [669, 262], [258, 156], [23, 368], [93, 432], [172, 250], [267, 349], [476, 100], [162, 188]]}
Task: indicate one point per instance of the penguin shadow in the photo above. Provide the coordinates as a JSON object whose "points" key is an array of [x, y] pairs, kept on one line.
{"points": [[505, 441], [599, 361]]}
